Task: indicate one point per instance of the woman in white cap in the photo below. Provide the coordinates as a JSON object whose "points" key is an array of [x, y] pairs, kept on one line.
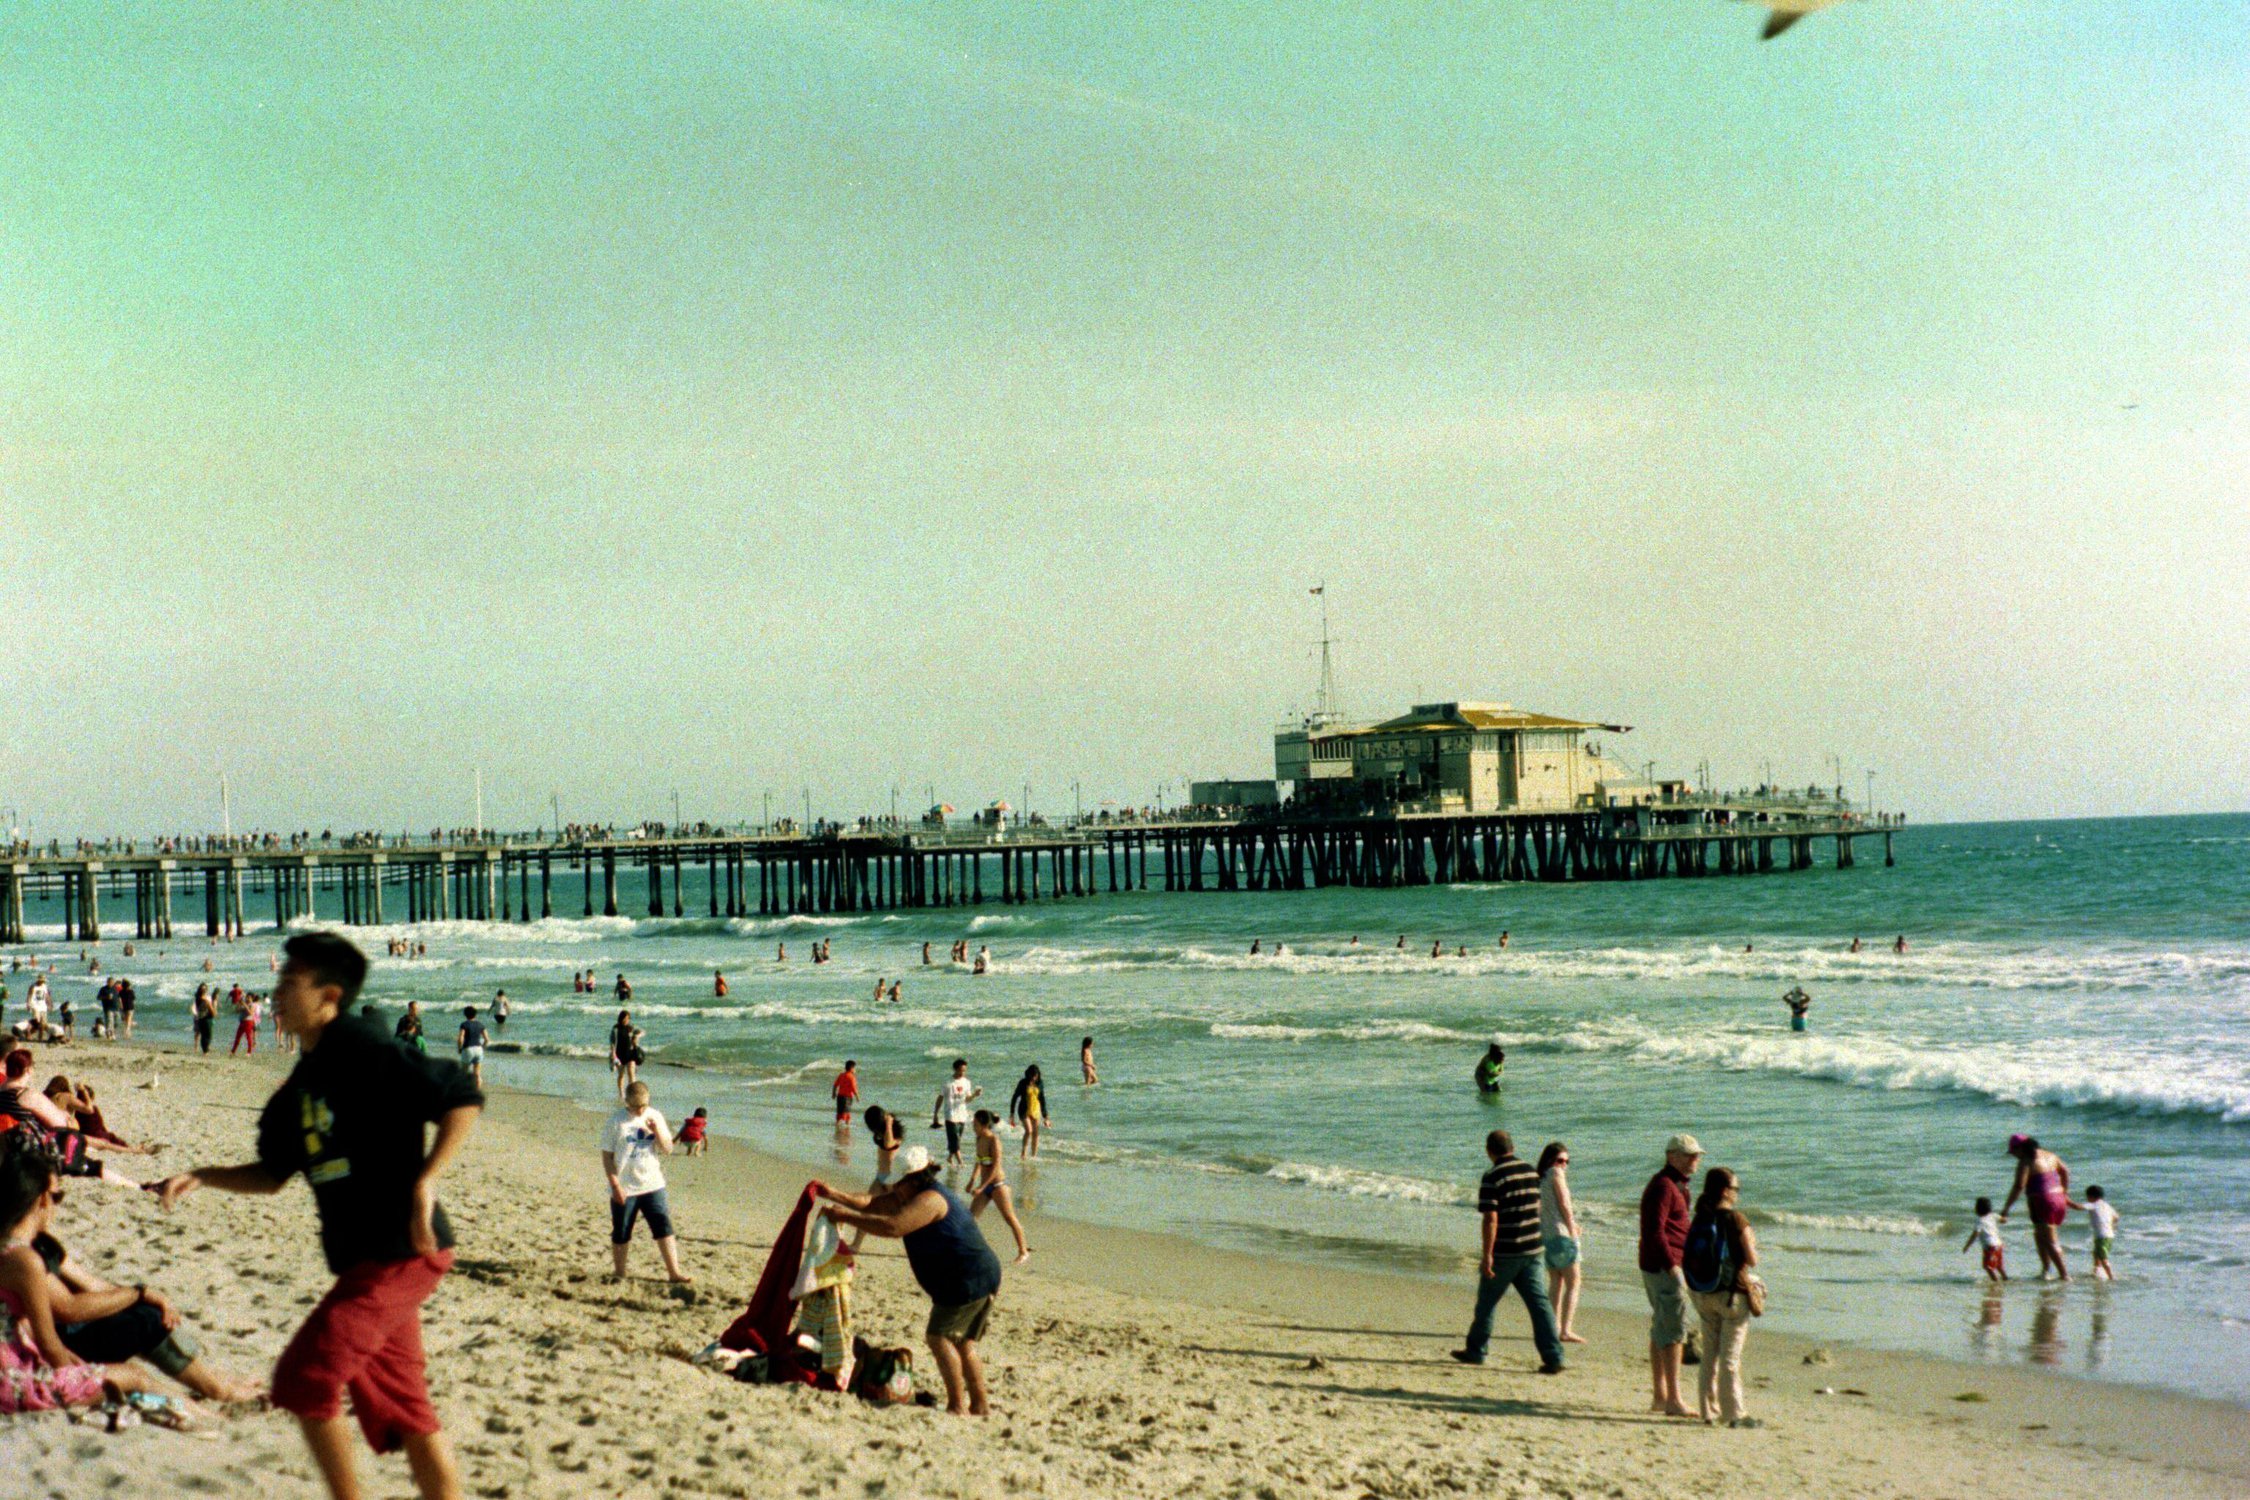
{"points": [[949, 1258]]}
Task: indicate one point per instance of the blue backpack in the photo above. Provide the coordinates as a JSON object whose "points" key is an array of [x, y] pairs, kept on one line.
{"points": [[1704, 1262]]}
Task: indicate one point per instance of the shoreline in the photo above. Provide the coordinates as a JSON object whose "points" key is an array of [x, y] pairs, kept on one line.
{"points": [[1129, 1262], [1123, 1361]]}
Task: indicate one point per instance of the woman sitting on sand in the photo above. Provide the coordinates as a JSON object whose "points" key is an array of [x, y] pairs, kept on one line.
{"points": [[2043, 1182], [108, 1324], [77, 1101], [37, 1371], [56, 1129]]}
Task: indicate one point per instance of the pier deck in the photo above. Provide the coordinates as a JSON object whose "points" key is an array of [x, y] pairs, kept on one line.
{"points": [[887, 868]]}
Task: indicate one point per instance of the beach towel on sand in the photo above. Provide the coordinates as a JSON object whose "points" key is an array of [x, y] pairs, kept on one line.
{"points": [[764, 1324]]}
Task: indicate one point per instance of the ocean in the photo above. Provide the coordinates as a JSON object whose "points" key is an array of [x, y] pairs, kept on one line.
{"points": [[2084, 982]]}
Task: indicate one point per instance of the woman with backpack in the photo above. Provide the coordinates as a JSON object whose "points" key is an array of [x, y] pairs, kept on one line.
{"points": [[1726, 1292]]}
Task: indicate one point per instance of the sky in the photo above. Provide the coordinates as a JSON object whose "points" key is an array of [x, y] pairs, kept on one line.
{"points": [[757, 399]]}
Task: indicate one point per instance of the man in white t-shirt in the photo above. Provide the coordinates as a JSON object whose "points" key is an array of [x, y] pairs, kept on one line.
{"points": [[952, 1107], [631, 1142]]}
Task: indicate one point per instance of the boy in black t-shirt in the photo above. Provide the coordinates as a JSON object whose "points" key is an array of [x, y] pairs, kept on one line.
{"points": [[351, 1117]]}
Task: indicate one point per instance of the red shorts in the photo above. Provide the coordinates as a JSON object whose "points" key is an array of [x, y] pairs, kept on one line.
{"points": [[1992, 1260], [366, 1336]]}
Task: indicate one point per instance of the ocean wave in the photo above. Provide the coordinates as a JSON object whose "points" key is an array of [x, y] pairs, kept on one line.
{"points": [[1358, 1182], [1854, 1223], [792, 1075], [1252, 1032], [1373, 1031], [2151, 1086], [550, 1049], [1963, 965]]}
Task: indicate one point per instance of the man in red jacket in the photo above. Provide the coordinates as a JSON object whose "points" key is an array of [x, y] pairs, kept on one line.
{"points": [[1664, 1229]]}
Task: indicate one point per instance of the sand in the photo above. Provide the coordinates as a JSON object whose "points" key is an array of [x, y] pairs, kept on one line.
{"points": [[1121, 1363]]}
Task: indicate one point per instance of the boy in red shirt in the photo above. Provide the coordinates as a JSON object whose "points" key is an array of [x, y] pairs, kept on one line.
{"points": [[846, 1093], [350, 1117]]}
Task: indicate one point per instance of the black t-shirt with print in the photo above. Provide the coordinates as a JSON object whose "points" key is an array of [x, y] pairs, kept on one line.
{"points": [[351, 1117]]}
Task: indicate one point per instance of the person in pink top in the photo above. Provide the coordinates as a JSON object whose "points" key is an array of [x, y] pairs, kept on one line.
{"points": [[2043, 1182], [37, 1372]]}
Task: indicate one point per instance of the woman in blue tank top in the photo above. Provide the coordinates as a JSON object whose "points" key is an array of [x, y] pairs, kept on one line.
{"points": [[951, 1263]]}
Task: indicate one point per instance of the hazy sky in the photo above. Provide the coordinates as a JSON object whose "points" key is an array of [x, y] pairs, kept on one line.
{"points": [[724, 397]]}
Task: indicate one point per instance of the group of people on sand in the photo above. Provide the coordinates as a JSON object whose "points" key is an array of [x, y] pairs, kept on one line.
{"points": [[1698, 1260], [351, 1118], [911, 1200], [955, 1111]]}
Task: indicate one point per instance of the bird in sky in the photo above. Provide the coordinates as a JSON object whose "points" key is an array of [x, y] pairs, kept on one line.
{"points": [[1783, 14]]}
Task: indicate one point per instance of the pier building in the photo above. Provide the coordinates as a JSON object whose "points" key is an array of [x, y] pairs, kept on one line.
{"points": [[1458, 757]]}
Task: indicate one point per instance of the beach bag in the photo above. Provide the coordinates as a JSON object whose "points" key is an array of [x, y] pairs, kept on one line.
{"points": [[883, 1377], [1704, 1263]]}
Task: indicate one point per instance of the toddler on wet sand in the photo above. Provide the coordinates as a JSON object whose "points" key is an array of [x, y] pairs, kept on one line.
{"points": [[1987, 1234]]}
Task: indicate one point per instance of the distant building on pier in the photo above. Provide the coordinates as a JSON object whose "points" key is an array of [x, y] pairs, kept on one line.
{"points": [[1458, 756]]}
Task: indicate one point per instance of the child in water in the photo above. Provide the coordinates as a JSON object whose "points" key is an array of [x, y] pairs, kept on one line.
{"points": [[1987, 1234], [988, 1181], [695, 1133], [2104, 1216]]}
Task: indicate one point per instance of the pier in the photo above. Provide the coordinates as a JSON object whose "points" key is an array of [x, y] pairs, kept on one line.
{"points": [[892, 868]]}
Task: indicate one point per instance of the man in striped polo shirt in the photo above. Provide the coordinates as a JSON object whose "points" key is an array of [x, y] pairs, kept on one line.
{"points": [[1508, 1202]]}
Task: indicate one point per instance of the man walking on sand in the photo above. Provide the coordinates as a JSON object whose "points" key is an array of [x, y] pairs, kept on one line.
{"points": [[350, 1117], [1664, 1231], [1508, 1202]]}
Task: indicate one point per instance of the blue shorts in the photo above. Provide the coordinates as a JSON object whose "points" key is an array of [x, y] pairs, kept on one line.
{"points": [[650, 1206], [1562, 1252]]}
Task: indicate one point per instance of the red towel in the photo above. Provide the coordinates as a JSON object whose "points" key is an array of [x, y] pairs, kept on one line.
{"points": [[764, 1325]]}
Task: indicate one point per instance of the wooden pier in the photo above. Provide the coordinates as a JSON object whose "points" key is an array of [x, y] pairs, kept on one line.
{"points": [[891, 869]]}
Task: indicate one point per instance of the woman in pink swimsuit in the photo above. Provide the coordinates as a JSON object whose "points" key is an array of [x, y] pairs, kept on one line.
{"points": [[2043, 1182]]}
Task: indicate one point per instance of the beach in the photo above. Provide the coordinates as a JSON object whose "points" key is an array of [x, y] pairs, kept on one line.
{"points": [[1121, 1362]]}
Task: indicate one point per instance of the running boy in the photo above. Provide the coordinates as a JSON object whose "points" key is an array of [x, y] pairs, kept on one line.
{"points": [[350, 1117], [1987, 1234], [2103, 1215]]}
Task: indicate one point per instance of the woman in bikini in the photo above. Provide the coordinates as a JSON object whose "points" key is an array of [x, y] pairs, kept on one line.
{"points": [[2043, 1182], [988, 1182], [888, 1136]]}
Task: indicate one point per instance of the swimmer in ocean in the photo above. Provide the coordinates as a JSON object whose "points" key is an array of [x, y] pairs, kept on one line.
{"points": [[1489, 1068], [1798, 1002]]}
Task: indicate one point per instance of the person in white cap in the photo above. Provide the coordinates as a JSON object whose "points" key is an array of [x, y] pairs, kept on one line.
{"points": [[949, 1258], [1664, 1231]]}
